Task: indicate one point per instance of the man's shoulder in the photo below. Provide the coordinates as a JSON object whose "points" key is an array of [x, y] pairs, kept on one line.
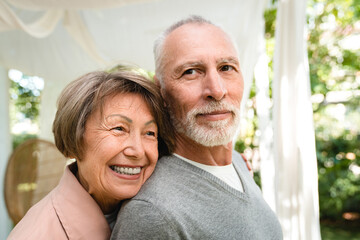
{"points": [[236, 155], [237, 159], [166, 173], [171, 178], [166, 167], [154, 205]]}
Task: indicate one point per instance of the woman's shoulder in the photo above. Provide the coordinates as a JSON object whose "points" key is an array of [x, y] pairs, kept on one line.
{"points": [[39, 222]]}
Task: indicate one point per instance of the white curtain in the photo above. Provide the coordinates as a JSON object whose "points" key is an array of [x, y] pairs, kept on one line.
{"points": [[249, 39], [44, 25], [294, 144], [5, 148], [71, 4], [263, 107]]}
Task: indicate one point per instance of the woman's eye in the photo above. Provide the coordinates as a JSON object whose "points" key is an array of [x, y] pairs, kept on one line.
{"points": [[118, 128], [151, 133]]}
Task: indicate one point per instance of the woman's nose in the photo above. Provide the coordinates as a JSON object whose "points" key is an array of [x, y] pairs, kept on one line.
{"points": [[134, 147]]}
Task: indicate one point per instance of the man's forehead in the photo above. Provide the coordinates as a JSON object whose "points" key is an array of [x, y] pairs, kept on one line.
{"points": [[187, 32], [196, 41]]}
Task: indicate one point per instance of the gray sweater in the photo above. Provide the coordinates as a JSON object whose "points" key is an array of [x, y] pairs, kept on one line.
{"points": [[181, 201]]}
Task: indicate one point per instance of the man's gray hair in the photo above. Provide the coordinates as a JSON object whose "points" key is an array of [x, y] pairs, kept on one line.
{"points": [[159, 42]]}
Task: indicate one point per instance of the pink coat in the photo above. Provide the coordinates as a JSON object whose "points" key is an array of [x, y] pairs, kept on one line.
{"points": [[67, 212]]}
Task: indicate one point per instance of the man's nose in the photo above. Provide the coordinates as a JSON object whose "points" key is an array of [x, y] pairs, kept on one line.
{"points": [[214, 86], [133, 146]]}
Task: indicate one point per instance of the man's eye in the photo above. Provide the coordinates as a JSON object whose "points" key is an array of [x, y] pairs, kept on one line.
{"points": [[189, 72], [226, 68]]}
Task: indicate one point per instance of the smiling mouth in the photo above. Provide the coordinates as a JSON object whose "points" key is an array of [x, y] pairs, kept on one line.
{"points": [[126, 170]]}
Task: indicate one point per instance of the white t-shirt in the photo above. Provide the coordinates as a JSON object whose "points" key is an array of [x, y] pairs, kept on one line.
{"points": [[226, 173]]}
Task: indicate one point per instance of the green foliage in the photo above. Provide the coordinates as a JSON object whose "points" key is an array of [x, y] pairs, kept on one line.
{"points": [[336, 232], [26, 100], [19, 139], [333, 67], [338, 186], [270, 16], [356, 8], [24, 106]]}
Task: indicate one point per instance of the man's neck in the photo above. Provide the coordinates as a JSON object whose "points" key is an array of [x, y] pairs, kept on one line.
{"points": [[215, 156]]}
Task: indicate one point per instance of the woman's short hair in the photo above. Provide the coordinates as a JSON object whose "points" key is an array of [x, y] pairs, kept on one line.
{"points": [[83, 96]]}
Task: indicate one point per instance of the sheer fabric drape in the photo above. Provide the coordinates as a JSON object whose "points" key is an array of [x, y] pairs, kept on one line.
{"points": [[294, 143]]}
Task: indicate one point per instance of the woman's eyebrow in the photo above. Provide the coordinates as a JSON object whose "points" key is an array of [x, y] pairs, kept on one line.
{"points": [[122, 116], [129, 120], [150, 122]]}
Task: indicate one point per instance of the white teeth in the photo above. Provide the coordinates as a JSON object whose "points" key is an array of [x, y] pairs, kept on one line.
{"points": [[126, 170]]}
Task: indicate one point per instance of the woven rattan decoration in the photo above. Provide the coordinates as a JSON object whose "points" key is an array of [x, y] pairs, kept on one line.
{"points": [[34, 169]]}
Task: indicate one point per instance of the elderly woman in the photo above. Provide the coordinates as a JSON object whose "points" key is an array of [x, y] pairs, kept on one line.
{"points": [[114, 125]]}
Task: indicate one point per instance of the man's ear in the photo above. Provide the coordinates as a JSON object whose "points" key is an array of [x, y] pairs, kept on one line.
{"points": [[157, 81]]}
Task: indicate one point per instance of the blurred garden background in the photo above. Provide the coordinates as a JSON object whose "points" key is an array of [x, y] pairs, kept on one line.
{"points": [[333, 43], [334, 62]]}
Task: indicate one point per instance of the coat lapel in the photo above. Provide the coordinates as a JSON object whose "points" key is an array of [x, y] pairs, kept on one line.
{"points": [[77, 211]]}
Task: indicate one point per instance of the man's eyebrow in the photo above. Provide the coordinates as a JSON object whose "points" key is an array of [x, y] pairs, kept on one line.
{"points": [[180, 68], [228, 60], [122, 116]]}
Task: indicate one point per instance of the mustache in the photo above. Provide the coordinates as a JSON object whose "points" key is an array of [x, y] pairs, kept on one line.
{"points": [[214, 107]]}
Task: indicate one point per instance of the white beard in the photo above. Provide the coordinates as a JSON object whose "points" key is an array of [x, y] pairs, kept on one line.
{"points": [[212, 133]]}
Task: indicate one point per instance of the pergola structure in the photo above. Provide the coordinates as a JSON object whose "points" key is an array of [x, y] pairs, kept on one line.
{"points": [[61, 40]]}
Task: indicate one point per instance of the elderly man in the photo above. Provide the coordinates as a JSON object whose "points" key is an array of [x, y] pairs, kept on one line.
{"points": [[203, 190]]}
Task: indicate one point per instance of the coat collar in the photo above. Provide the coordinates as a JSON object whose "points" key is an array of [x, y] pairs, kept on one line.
{"points": [[77, 211]]}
